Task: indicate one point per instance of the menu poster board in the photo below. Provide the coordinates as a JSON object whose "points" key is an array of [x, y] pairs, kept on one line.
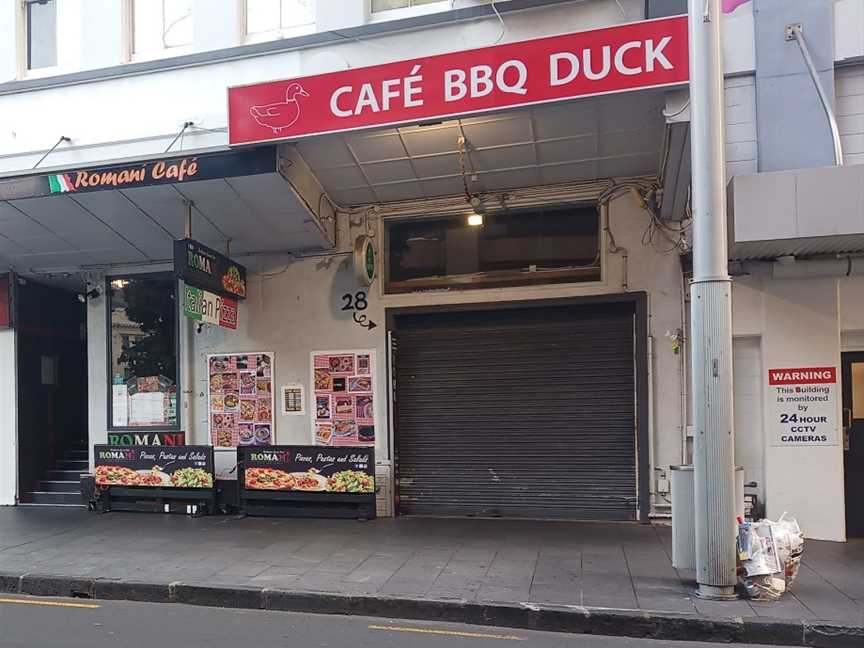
{"points": [[309, 469], [240, 399], [155, 467], [344, 402], [146, 401]]}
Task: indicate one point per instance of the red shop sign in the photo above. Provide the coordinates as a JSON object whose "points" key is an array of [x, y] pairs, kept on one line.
{"points": [[645, 54]]}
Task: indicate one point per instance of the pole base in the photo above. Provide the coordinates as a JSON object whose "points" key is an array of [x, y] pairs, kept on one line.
{"points": [[714, 593]]}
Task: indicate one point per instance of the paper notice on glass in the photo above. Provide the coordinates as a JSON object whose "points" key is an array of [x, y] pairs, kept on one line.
{"points": [[120, 408], [147, 408]]}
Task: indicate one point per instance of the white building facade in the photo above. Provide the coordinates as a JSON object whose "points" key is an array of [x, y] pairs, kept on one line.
{"points": [[535, 365]]}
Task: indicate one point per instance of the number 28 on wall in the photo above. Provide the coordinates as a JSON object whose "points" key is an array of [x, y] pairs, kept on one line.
{"points": [[355, 301]]}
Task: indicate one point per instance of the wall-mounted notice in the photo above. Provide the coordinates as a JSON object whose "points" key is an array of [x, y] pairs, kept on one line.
{"points": [[343, 409], [240, 395], [803, 406]]}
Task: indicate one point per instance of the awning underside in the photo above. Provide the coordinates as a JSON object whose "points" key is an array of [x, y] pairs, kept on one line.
{"points": [[68, 232], [620, 135]]}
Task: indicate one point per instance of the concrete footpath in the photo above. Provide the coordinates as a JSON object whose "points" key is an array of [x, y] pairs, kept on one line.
{"points": [[614, 579]]}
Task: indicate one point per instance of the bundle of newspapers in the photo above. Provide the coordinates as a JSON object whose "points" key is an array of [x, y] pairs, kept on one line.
{"points": [[769, 556]]}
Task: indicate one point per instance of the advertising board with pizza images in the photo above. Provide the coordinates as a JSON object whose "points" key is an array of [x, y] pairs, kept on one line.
{"points": [[344, 398], [240, 400]]}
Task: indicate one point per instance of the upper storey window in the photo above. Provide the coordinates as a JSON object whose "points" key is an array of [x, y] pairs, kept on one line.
{"points": [[161, 27], [272, 19], [40, 26]]}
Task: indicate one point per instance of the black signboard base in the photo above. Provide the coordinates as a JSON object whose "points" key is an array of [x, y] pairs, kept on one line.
{"points": [[155, 500], [308, 505], [342, 481]]}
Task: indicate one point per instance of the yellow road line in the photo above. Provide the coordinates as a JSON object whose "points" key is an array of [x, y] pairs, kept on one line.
{"points": [[63, 604], [446, 633]]}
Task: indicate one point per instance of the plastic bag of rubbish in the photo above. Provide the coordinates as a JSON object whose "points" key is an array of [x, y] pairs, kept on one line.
{"points": [[790, 546], [765, 588], [757, 549], [769, 556]]}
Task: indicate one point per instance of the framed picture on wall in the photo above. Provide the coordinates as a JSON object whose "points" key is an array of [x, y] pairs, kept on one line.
{"points": [[293, 399], [344, 398], [240, 400]]}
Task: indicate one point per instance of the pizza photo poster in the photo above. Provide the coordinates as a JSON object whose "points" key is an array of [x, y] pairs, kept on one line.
{"points": [[343, 405], [240, 400]]}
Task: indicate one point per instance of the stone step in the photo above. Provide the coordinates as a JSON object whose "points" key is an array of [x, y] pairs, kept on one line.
{"points": [[44, 497], [64, 475], [66, 464], [50, 486]]}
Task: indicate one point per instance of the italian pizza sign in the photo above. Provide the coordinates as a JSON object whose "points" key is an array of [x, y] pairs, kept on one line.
{"points": [[803, 402]]}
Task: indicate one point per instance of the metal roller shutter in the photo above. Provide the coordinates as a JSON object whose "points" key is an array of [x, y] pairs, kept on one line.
{"points": [[525, 412]]}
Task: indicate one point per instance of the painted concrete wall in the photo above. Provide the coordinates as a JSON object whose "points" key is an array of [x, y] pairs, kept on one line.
{"points": [[849, 90], [296, 308], [8, 419], [140, 115], [793, 130], [740, 126], [799, 325]]}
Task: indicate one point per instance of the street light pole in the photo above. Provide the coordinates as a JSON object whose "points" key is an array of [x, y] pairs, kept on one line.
{"points": [[711, 312]]}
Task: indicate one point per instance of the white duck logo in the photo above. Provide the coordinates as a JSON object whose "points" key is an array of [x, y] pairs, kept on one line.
{"points": [[282, 114]]}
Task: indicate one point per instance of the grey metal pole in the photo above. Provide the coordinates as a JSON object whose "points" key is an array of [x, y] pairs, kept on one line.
{"points": [[711, 312]]}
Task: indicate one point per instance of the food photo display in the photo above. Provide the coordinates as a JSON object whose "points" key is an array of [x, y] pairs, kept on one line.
{"points": [[240, 400], [155, 467], [344, 413], [308, 469]]}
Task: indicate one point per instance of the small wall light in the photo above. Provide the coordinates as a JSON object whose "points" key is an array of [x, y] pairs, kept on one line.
{"points": [[475, 220]]}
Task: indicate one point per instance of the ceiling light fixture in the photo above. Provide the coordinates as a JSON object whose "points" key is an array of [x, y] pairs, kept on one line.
{"points": [[475, 220]]}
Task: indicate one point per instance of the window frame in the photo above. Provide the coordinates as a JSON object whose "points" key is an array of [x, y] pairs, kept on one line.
{"points": [[505, 279], [407, 12], [152, 55], [109, 366], [63, 63], [271, 34]]}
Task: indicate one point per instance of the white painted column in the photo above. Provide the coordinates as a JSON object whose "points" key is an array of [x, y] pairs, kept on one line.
{"points": [[8, 419], [801, 329], [97, 371]]}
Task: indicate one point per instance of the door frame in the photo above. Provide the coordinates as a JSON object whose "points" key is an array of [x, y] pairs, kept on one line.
{"points": [[846, 360], [638, 300]]}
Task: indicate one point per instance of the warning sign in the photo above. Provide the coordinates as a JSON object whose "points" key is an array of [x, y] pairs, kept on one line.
{"points": [[803, 404]]}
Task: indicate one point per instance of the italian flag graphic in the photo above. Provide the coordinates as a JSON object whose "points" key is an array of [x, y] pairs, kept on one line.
{"points": [[60, 183]]}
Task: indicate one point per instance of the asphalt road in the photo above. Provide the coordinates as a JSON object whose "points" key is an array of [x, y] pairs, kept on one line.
{"points": [[75, 623]]}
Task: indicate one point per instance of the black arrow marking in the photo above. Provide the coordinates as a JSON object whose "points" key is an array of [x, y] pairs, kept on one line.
{"points": [[363, 321]]}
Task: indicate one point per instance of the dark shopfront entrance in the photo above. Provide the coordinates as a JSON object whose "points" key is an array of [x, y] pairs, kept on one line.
{"points": [[521, 411], [52, 393], [853, 431]]}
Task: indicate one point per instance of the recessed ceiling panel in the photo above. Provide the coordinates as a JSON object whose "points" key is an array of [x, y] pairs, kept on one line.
{"points": [[429, 140], [584, 138], [384, 172], [504, 157], [374, 148], [499, 132], [326, 151]]}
